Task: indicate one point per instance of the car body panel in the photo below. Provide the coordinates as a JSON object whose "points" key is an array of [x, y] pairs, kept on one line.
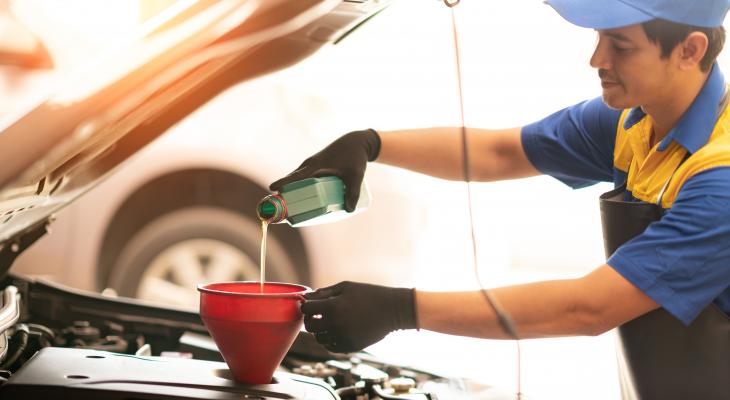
{"points": [[103, 117]]}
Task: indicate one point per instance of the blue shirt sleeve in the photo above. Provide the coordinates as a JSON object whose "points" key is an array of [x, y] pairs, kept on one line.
{"points": [[683, 260], [574, 145]]}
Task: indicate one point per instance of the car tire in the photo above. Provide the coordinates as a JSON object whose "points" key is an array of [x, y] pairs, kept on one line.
{"points": [[166, 259]]}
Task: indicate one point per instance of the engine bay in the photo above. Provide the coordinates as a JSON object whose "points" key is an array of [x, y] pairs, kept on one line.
{"points": [[65, 343]]}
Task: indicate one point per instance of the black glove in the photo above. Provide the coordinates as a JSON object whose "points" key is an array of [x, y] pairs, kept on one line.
{"points": [[346, 158], [350, 316]]}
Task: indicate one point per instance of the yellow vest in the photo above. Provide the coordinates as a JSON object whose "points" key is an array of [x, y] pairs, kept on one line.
{"points": [[651, 173]]}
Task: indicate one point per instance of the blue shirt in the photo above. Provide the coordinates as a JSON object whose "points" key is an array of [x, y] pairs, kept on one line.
{"points": [[683, 260]]}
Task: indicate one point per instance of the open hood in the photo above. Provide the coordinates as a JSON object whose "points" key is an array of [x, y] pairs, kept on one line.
{"points": [[131, 95]]}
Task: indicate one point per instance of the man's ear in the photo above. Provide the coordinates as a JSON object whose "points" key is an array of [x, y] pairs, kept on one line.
{"points": [[692, 49]]}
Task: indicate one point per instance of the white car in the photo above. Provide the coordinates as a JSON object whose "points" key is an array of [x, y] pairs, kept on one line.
{"points": [[181, 210]]}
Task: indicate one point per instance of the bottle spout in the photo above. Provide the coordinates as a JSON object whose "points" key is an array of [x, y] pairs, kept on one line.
{"points": [[272, 209]]}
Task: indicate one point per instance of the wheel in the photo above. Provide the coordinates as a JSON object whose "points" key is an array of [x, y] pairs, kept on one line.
{"points": [[167, 258]]}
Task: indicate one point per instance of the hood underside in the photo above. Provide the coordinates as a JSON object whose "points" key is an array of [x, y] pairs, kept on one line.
{"points": [[126, 98]]}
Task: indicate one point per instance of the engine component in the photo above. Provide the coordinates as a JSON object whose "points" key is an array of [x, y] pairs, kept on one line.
{"points": [[402, 385], [18, 344], [10, 311], [81, 334]]}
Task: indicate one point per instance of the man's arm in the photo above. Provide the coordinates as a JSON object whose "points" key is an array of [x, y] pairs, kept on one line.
{"points": [[493, 154], [591, 305], [350, 316]]}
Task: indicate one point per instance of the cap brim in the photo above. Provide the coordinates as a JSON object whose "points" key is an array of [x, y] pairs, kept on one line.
{"points": [[604, 14]]}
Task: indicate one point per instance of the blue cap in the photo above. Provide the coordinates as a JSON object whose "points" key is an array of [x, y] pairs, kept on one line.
{"points": [[609, 14]]}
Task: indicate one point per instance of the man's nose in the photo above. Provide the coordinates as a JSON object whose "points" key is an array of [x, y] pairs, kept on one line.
{"points": [[601, 58]]}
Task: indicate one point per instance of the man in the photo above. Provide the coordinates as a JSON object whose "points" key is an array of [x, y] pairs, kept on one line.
{"points": [[661, 133]]}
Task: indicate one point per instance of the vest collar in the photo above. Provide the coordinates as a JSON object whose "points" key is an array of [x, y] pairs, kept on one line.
{"points": [[697, 123]]}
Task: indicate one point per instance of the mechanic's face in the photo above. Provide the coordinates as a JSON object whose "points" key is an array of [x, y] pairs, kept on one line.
{"points": [[630, 67]]}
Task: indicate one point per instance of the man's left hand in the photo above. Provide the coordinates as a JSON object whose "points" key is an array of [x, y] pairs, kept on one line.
{"points": [[350, 316]]}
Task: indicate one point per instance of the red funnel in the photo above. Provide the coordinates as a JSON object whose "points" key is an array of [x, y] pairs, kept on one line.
{"points": [[253, 330]]}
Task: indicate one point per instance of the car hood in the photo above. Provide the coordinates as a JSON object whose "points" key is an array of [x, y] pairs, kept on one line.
{"points": [[125, 98]]}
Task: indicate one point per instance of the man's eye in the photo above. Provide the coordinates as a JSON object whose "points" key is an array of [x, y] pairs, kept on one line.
{"points": [[619, 49]]}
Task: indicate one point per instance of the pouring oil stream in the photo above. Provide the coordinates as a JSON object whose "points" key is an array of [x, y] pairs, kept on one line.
{"points": [[262, 277]]}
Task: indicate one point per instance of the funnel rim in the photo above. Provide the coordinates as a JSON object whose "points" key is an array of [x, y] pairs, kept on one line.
{"points": [[204, 288]]}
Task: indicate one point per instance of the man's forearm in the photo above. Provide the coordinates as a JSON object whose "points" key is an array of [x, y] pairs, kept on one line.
{"points": [[587, 306], [493, 154], [538, 314]]}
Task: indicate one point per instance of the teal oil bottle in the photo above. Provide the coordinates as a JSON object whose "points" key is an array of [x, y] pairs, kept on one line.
{"points": [[310, 201]]}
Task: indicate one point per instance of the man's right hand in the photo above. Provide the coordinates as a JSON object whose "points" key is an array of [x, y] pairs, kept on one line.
{"points": [[346, 158]]}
